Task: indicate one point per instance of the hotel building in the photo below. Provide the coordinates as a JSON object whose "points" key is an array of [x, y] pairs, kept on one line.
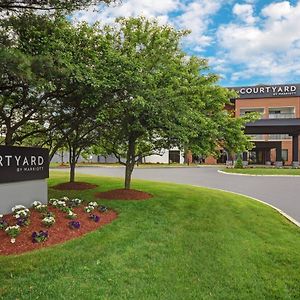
{"points": [[276, 134]]}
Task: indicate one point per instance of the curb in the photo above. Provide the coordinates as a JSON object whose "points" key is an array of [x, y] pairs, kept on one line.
{"points": [[291, 219], [240, 174]]}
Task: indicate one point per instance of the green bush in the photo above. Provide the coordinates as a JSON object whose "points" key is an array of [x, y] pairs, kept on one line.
{"points": [[238, 164]]}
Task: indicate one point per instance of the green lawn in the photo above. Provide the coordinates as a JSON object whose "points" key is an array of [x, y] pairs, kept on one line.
{"points": [[264, 171], [185, 243]]}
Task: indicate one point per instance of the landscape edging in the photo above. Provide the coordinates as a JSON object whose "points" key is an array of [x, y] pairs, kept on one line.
{"points": [[291, 219], [241, 174]]}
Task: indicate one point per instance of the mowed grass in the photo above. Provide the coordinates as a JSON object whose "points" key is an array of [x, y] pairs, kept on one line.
{"points": [[185, 243], [264, 171]]}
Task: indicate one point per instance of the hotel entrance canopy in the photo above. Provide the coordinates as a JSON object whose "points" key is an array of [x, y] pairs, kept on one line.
{"points": [[274, 126], [277, 126]]}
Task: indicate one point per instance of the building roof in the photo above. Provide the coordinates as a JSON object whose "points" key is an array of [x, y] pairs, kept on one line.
{"points": [[274, 126]]}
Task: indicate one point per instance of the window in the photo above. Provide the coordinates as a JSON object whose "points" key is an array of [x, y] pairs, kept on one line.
{"points": [[282, 113], [174, 156], [244, 111], [284, 154], [276, 137]]}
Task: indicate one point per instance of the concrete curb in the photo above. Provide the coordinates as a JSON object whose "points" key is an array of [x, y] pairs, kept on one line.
{"points": [[239, 174], [291, 219]]}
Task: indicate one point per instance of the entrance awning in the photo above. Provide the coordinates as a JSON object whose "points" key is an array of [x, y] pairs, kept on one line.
{"points": [[274, 126], [278, 126]]}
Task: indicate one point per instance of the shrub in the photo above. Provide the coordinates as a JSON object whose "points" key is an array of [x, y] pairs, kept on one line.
{"points": [[238, 164]]}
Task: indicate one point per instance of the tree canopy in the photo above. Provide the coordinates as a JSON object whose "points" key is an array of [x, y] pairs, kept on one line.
{"points": [[168, 99], [127, 88], [47, 5]]}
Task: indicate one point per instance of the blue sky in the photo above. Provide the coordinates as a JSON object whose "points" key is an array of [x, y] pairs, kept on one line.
{"points": [[246, 42]]}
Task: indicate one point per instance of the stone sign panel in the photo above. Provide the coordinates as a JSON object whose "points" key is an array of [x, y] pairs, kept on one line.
{"points": [[23, 163]]}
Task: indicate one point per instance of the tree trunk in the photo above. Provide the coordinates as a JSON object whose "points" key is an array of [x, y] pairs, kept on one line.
{"points": [[9, 138], [72, 161], [128, 173], [130, 161], [72, 171]]}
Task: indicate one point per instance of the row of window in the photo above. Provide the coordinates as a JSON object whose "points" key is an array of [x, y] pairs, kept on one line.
{"points": [[274, 113], [270, 137]]}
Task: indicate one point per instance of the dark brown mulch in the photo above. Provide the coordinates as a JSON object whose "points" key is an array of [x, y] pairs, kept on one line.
{"points": [[123, 194], [58, 233], [66, 186]]}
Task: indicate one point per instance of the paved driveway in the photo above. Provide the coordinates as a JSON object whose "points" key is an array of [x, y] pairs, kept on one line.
{"points": [[282, 192]]}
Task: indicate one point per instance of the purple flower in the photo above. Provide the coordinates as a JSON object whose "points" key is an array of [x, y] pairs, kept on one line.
{"points": [[22, 221], [38, 237], [95, 218], [3, 224], [102, 208], [74, 225]]}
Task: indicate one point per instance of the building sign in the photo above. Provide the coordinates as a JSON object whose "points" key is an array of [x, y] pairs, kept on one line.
{"points": [[267, 91], [22, 164]]}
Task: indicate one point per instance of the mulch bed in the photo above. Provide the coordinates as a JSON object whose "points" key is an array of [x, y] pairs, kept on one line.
{"points": [[123, 194], [58, 233], [78, 186]]}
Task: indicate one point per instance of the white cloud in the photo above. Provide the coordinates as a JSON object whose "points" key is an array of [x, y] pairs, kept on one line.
{"points": [[269, 48], [147, 8], [276, 11], [244, 12], [194, 15]]}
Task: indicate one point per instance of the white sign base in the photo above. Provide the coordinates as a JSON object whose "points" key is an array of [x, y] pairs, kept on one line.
{"points": [[24, 193]]}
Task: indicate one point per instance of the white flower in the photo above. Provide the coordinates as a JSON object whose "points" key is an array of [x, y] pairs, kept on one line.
{"points": [[12, 227], [94, 204], [21, 213], [18, 207], [48, 220], [52, 200], [12, 240], [36, 203], [77, 201]]}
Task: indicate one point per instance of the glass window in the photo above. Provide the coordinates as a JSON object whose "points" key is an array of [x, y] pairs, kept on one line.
{"points": [[284, 154]]}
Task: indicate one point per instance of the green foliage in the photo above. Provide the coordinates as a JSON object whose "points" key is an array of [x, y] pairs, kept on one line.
{"points": [[47, 5], [166, 99], [239, 163]]}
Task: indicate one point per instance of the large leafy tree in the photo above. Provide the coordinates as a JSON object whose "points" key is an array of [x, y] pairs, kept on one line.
{"points": [[167, 100], [69, 79], [47, 5], [30, 75]]}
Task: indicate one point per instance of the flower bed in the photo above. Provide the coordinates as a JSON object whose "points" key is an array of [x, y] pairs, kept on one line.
{"points": [[37, 235]]}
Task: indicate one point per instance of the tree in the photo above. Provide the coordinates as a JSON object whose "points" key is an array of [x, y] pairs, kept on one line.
{"points": [[32, 72], [48, 63], [78, 83], [47, 5], [167, 99]]}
